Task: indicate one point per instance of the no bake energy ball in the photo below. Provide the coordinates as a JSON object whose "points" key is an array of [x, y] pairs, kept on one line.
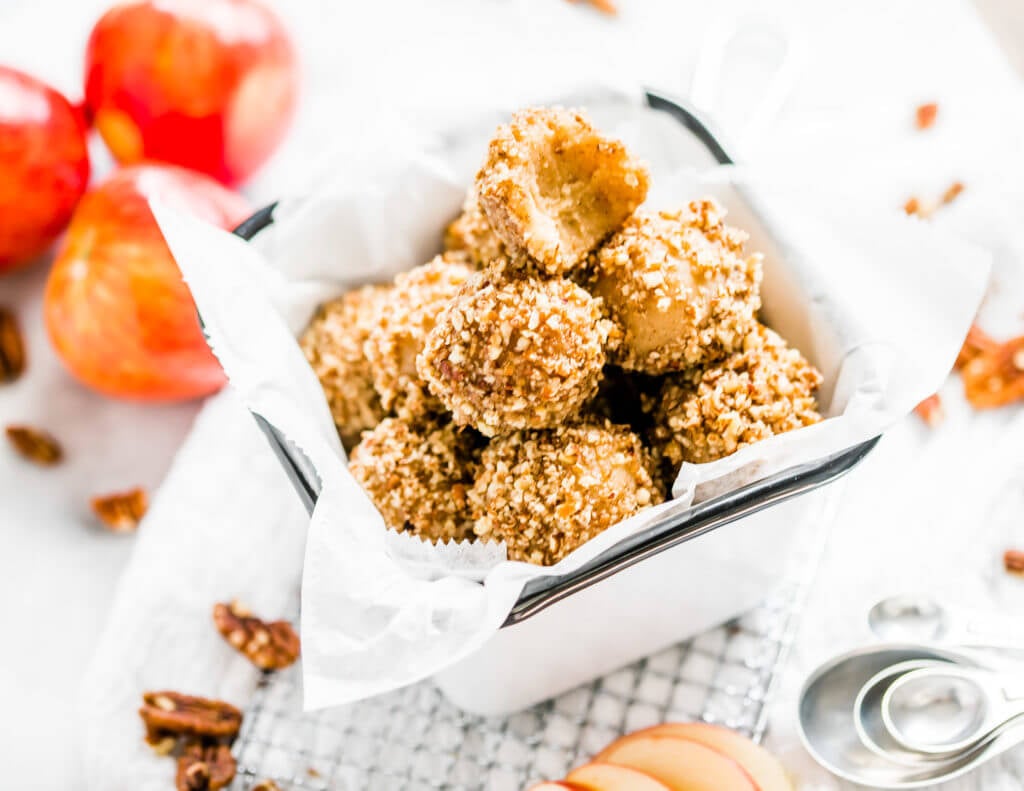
{"points": [[679, 286], [553, 188], [418, 475], [333, 344], [404, 320], [767, 388], [513, 351], [544, 493]]}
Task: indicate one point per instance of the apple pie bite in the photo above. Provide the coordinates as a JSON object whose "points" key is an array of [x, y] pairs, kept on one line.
{"points": [[553, 188]]}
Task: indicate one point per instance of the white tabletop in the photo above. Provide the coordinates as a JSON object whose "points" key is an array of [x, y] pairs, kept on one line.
{"points": [[866, 68]]}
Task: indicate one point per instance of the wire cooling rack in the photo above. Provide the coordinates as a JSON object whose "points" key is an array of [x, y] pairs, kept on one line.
{"points": [[415, 739]]}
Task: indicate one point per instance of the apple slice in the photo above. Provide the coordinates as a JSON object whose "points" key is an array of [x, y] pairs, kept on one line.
{"points": [[609, 777], [679, 764], [760, 764]]}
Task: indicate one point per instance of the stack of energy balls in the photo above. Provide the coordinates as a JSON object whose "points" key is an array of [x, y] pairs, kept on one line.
{"points": [[545, 377]]}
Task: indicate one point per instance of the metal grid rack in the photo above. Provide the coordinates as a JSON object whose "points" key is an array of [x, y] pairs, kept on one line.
{"points": [[414, 738]]}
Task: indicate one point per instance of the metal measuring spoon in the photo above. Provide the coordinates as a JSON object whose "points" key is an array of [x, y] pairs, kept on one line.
{"points": [[944, 710], [867, 713], [923, 618], [826, 705]]}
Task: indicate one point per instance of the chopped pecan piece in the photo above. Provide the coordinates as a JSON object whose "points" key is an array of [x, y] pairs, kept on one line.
{"points": [[269, 646], [171, 714], [205, 767], [976, 343], [266, 785], [930, 410], [123, 511], [1013, 561], [925, 115], [952, 192], [996, 377], [35, 445], [12, 350]]}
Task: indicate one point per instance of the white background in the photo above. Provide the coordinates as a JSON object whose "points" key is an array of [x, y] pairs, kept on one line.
{"points": [[915, 515]]}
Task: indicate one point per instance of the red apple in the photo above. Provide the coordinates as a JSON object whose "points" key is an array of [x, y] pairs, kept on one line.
{"points": [[760, 764], [207, 84], [44, 166], [609, 777], [679, 764], [116, 307]]}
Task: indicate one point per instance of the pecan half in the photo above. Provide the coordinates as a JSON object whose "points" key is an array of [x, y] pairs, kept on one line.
{"points": [[123, 511], [35, 445], [205, 767], [996, 377], [1013, 561], [173, 714], [269, 646], [925, 115], [976, 343], [930, 410], [12, 349]]}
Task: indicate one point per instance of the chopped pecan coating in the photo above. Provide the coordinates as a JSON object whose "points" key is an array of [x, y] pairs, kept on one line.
{"points": [[976, 343], [553, 188], [269, 646], [679, 286], [12, 348], [513, 352], [173, 714], [121, 512], [35, 445], [205, 767], [417, 475], [1013, 561], [995, 377], [925, 115], [765, 389], [405, 318], [471, 234], [544, 493], [334, 346]]}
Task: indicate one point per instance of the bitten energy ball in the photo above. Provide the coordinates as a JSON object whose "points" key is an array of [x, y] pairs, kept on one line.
{"points": [[403, 322], [512, 352], [544, 493], [471, 234], [553, 187], [333, 344], [679, 286], [763, 390], [418, 476]]}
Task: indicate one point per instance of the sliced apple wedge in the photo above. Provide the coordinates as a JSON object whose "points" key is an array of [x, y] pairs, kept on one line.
{"points": [[761, 765], [610, 777], [679, 764]]}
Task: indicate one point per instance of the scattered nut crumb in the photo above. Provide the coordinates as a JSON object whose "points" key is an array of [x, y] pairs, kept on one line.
{"points": [[172, 714], [266, 785], [995, 377], [913, 208], [269, 646], [205, 767], [952, 192], [312, 772], [925, 115], [121, 512], [12, 348], [930, 410], [36, 445], [976, 343], [1013, 561]]}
